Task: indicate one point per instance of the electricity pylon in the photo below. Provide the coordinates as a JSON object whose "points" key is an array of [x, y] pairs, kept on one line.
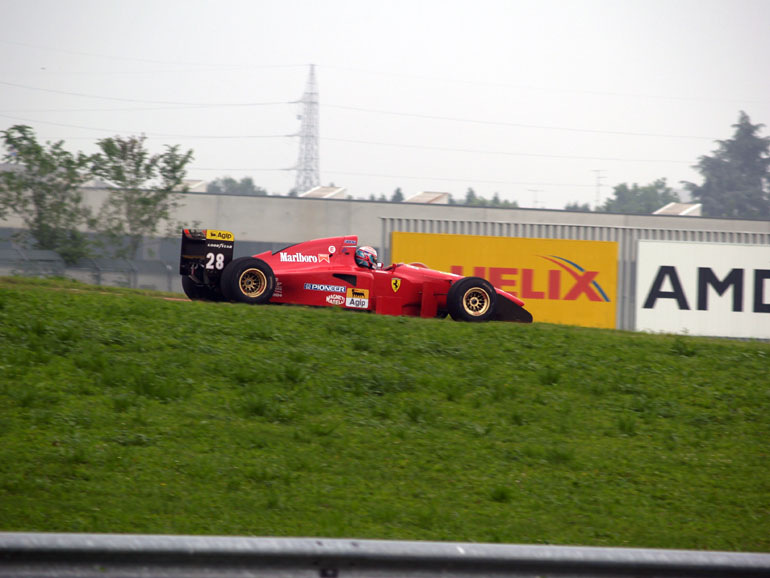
{"points": [[308, 173]]}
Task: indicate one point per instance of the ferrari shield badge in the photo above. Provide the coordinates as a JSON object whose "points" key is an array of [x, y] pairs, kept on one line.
{"points": [[395, 283]]}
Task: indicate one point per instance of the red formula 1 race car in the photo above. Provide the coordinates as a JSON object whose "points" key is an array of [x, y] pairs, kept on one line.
{"points": [[336, 272]]}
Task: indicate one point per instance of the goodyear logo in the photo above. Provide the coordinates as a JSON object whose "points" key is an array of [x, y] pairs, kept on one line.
{"points": [[219, 235]]}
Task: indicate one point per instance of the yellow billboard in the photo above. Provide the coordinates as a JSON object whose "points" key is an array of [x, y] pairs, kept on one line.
{"points": [[560, 281]]}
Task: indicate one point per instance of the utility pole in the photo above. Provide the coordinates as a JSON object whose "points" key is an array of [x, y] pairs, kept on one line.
{"points": [[599, 178], [308, 172], [534, 196]]}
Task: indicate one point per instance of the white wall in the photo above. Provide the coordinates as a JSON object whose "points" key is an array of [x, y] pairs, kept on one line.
{"points": [[703, 289]]}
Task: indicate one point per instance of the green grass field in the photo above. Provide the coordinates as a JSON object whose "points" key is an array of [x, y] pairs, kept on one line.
{"points": [[124, 411]]}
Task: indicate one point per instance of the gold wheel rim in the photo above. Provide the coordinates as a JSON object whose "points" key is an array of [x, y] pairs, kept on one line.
{"points": [[252, 282], [476, 301]]}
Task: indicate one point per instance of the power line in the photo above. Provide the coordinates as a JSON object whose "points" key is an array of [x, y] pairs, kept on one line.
{"points": [[120, 99], [239, 169], [513, 124], [498, 84], [404, 177], [425, 78], [353, 141], [150, 134], [457, 180], [130, 109], [214, 66], [368, 111], [505, 153], [372, 111], [80, 53]]}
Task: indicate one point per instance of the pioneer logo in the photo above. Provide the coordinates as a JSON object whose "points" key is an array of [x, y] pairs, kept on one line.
{"points": [[298, 258], [325, 288]]}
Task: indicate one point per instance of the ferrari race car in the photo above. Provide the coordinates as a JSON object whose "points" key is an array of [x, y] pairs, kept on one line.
{"points": [[327, 273]]}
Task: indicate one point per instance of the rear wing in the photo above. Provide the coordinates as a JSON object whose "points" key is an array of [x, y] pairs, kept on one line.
{"points": [[205, 253]]}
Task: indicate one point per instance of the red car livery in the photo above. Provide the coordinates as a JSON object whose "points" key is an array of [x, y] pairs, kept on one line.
{"points": [[324, 273]]}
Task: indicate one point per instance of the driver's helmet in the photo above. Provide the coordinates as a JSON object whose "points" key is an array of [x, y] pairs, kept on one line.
{"points": [[366, 257]]}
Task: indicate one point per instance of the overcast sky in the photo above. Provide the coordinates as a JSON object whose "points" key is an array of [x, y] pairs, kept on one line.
{"points": [[537, 100]]}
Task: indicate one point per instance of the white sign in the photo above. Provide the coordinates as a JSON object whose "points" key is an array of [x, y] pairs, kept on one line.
{"points": [[703, 289], [357, 298]]}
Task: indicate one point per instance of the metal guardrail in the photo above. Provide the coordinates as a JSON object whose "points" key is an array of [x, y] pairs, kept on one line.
{"points": [[27, 555]]}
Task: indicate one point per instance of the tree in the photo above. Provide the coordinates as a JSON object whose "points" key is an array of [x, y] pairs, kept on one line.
{"points": [[144, 188], [398, 196], [474, 200], [248, 187], [640, 200], [229, 186], [737, 176], [506, 204], [584, 208], [43, 188], [221, 185]]}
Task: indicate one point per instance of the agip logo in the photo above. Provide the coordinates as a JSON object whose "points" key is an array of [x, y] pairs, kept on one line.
{"points": [[561, 281], [357, 298], [219, 235]]}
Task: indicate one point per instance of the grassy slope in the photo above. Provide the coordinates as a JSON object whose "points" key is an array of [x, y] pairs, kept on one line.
{"points": [[124, 412]]}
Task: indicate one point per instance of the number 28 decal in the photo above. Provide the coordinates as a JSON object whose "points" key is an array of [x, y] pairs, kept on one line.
{"points": [[215, 261]]}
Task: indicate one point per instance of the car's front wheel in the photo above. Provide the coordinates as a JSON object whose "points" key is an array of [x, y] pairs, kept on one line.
{"points": [[471, 299], [248, 280]]}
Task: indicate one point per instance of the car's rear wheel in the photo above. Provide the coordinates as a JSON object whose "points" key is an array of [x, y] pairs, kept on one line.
{"points": [[472, 299], [248, 280]]}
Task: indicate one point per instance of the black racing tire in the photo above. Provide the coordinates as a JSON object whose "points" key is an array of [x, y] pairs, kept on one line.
{"points": [[472, 299], [248, 280], [197, 292]]}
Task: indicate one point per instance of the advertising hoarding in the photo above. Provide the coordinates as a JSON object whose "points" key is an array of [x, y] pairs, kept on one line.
{"points": [[561, 281], [703, 289]]}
